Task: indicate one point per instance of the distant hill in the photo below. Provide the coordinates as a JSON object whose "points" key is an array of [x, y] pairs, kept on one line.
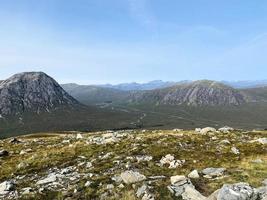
{"points": [[156, 84], [198, 93], [258, 94], [32, 92], [246, 84], [88, 94]]}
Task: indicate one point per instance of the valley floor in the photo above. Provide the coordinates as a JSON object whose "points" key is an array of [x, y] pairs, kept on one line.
{"points": [[137, 164]]}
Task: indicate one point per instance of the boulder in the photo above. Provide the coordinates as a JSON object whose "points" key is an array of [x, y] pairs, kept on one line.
{"points": [[238, 191], [6, 187], [178, 179], [207, 130], [179, 184], [226, 129], [192, 194], [194, 174], [171, 162], [130, 177], [213, 172], [261, 140], [49, 179]]}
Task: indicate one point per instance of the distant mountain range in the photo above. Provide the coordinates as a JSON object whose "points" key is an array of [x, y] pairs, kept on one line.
{"points": [[33, 101], [158, 84]]}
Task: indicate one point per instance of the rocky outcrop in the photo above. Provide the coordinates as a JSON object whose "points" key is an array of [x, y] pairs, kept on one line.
{"points": [[198, 93], [32, 91]]}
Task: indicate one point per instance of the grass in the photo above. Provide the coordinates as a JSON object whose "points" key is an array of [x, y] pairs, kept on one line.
{"points": [[199, 152]]}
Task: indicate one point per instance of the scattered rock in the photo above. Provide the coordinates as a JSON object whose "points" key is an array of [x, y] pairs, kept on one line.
{"points": [[130, 177], [49, 179], [79, 136], [110, 187], [27, 190], [14, 141], [235, 151], [226, 129], [88, 183], [213, 172], [257, 161], [238, 191], [261, 140], [207, 130], [6, 187], [192, 194], [169, 160], [178, 185], [194, 174], [176, 179], [143, 158], [3, 153]]}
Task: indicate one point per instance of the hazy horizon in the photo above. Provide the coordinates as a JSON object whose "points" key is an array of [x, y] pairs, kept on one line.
{"points": [[122, 41]]}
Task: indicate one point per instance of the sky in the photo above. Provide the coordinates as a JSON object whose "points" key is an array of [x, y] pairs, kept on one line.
{"points": [[115, 41]]}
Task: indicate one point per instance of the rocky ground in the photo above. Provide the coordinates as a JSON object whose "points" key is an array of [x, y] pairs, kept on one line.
{"points": [[204, 164]]}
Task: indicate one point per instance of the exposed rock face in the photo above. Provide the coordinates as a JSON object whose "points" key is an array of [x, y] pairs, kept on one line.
{"points": [[198, 93], [32, 91], [239, 191]]}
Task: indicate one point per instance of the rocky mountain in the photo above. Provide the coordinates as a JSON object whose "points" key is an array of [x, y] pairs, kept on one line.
{"points": [[34, 92], [198, 93]]}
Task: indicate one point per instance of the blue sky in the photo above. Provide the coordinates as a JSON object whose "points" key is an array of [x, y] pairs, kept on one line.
{"points": [[113, 41]]}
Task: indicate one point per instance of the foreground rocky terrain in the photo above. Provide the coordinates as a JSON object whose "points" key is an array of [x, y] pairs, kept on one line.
{"points": [[203, 164]]}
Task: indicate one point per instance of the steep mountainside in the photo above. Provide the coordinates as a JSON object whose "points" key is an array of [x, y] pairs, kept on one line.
{"points": [[94, 94], [32, 91], [197, 93]]}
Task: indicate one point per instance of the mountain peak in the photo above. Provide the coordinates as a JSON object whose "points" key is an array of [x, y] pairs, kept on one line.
{"points": [[32, 91]]}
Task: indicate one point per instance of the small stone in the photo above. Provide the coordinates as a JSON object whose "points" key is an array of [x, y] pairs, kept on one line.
{"points": [[257, 161], [79, 136], [235, 151], [27, 190], [88, 183], [3, 153], [110, 187]]}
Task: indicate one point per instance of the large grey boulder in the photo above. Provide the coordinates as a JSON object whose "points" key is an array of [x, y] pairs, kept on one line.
{"points": [[238, 191]]}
